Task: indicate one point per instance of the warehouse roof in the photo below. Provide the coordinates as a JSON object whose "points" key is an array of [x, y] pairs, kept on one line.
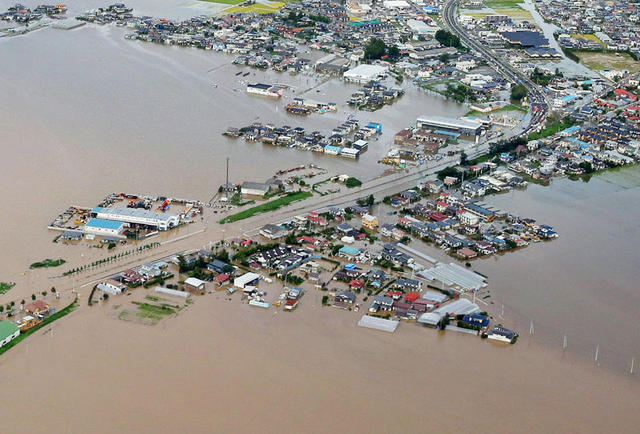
{"points": [[104, 224], [7, 329], [373, 322], [132, 212]]}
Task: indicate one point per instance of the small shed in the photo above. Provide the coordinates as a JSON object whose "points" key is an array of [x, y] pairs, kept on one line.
{"points": [[195, 286]]}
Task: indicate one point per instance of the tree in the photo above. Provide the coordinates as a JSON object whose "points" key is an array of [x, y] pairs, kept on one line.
{"points": [[1, 309], [393, 51], [518, 92], [53, 289], [447, 38], [22, 302], [33, 297], [374, 49], [444, 58], [463, 159], [44, 293]]}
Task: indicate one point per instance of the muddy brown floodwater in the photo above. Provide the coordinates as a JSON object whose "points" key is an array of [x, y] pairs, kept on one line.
{"points": [[85, 113]]}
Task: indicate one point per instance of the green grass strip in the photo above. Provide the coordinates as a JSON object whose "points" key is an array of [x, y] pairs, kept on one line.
{"points": [[46, 321], [266, 207], [47, 263]]}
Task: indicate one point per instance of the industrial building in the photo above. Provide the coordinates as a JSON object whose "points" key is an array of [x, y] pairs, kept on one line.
{"points": [[8, 332], [138, 216], [98, 226], [246, 280], [262, 89], [249, 188], [365, 73], [462, 126]]}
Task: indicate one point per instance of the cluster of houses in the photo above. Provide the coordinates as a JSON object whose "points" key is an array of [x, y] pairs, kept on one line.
{"points": [[346, 140], [374, 95], [21, 14], [581, 150], [611, 22]]}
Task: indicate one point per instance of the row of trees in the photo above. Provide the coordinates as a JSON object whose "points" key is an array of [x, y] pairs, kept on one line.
{"points": [[110, 259]]}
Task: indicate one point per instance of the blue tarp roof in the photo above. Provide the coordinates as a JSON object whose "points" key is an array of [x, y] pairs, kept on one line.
{"points": [[348, 250]]}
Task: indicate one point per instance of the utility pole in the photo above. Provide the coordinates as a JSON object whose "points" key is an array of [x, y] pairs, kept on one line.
{"points": [[226, 185]]}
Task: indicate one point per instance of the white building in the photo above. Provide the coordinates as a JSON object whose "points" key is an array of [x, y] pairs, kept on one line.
{"points": [[396, 4], [98, 226], [254, 188], [365, 73], [245, 279], [162, 221], [466, 218], [262, 89]]}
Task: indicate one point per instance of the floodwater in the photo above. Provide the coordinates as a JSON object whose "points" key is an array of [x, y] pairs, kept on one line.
{"points": [[583, 284], [85, 112]]}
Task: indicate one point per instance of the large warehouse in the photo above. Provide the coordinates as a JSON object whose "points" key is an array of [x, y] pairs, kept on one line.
{"points": [[139, 216], [365, 73], [462, 126]]}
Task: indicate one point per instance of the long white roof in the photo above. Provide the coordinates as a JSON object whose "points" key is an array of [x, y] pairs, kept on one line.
{"points": [[372, 322], [450, 122]]}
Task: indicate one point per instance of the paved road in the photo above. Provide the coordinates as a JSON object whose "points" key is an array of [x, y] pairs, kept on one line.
{"points": [[537, 98]]}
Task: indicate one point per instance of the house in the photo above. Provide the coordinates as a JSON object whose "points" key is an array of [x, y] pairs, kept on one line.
{"points": [[387, 229], [222, 279], [381, 303], [218, 266], [150, 270], [356, 284], [501, 333], [130, 276], [346, 297], [407, 284], [346, 229], [38, 307], [348, 251], [195, 286], [475, 319], [370, 222], [466, 253]]}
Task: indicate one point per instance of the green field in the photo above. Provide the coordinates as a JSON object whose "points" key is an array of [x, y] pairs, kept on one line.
{"points": [[5, 286], [549, 130], [617, 61], [257, 8], [503, 4], [47, 263], [269, 206], [225, 2], [507, 108], [46, 321]]}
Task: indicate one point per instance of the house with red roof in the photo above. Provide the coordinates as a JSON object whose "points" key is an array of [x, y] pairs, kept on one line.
{"points": [[221, 279], [625, 94], [356, 284], [38, 307], [411, 297]]}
